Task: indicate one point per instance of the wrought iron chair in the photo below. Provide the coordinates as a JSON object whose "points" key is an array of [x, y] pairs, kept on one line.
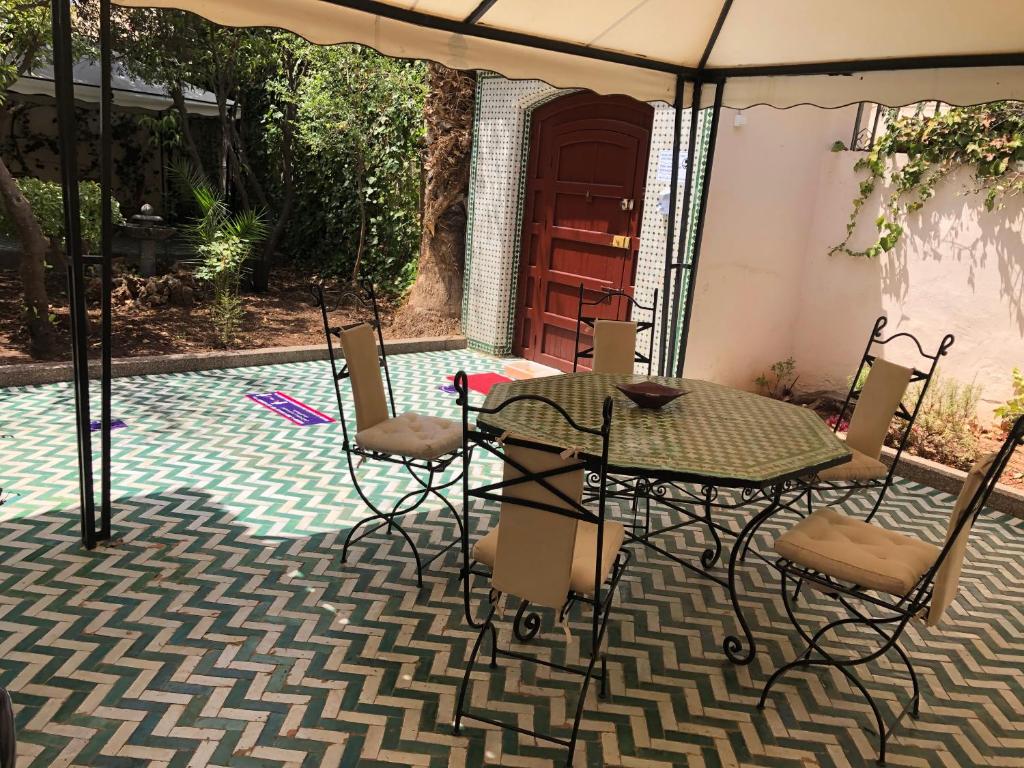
{"points": [[613, 350], [425, 446], [881, 578], [543, 549], [877, 395], [613, 341]]}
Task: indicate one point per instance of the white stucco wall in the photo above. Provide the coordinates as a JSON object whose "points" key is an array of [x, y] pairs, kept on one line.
{"points": [[768, 289]]}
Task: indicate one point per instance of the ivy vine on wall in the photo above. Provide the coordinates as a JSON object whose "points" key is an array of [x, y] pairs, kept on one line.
{"points": [[989, 138]]}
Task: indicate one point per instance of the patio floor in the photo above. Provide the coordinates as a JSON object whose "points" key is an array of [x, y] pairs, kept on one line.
{"points": [[223, 630]]}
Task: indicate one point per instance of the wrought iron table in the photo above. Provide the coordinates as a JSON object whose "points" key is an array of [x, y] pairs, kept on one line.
{"points": [[713, 436]]}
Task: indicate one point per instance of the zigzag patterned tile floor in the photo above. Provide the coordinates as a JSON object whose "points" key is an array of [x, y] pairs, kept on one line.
{"points": [[223, 630]]}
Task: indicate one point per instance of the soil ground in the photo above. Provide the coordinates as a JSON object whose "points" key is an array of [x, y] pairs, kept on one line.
{"points": [[282, 317]]}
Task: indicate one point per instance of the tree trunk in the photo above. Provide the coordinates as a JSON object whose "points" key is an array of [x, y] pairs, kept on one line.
{"points": [[436, 296], [33, 256], [261, 276], [186, 130]]}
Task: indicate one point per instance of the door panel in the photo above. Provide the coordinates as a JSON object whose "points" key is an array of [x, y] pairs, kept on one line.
{"points": [[584, 204]]}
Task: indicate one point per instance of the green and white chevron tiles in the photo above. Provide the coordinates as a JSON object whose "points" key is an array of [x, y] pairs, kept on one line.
{"points": [[222, 630]]}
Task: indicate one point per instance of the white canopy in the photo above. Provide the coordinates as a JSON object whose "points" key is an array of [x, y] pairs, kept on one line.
{"points": [[778, 52], [129, 92]]}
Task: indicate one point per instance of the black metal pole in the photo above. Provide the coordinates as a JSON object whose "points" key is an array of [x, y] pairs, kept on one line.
{"points": [[107, 280], [684, 226], [702, 207], [666, 283], [64, 92]]}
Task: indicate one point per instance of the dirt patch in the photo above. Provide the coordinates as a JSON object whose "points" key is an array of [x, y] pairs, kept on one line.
{"points": [[991, 441], [284, 316]]}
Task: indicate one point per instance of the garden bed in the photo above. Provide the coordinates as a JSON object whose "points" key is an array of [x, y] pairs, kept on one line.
{"points": [[284, 316], [988, 440]]}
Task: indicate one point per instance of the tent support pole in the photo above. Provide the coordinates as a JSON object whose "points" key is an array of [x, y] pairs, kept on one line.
{"points": [[107, 279], [670, 233], [702, 207], [684, 227], [65, 98]]}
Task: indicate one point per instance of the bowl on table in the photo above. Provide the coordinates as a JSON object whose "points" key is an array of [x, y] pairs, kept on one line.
{"points": [[650, 394]]}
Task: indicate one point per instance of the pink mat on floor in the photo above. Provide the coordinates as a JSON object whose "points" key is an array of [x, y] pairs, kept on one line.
{"points": [[482, 382]]}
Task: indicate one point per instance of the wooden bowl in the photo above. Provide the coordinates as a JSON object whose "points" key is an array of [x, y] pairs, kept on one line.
{"points": [[650, 394]]}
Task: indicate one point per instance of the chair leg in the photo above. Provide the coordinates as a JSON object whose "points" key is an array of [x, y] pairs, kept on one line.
{"points": [[487, 626], [878, 502], [816, 656], [604, 676]]}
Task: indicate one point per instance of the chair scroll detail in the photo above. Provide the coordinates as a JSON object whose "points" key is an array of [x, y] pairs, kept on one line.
{"points": [[880, 579], [424, 446], [549, 549]]}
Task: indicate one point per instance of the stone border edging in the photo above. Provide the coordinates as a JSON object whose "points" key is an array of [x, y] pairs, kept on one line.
{"points": [[950, 480], [27, 374]]}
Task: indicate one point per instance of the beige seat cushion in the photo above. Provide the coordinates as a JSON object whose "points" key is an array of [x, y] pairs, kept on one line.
{"points": [[852, 550], [582, 579], [859, 468], [412, 435]]}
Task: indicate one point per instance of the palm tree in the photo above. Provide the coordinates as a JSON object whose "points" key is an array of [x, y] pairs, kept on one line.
{"points": [[436, 296]]}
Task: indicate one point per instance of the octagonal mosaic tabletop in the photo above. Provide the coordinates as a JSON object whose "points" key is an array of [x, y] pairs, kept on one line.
{"points": [[713, 432]]}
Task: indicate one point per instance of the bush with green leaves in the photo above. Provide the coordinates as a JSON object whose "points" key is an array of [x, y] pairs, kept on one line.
{"points": [[1012, 409], [224, 242], [780, 382], [47, 201], [946, 429], [989, 138], [360, 131]]}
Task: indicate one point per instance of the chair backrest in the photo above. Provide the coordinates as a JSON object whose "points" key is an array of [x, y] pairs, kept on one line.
{"points": [[866, 433], [364, 355], [360, 347], [981, 479], [535, 546], [621, 354], [614, 346], [540, 497], [879, 400]]}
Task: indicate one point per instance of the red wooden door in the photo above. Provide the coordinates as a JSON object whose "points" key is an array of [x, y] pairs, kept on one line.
{"points": [[581, 220]]}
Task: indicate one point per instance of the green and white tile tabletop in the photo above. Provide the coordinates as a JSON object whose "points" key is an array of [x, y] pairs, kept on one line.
{"points": [[713, 433]]}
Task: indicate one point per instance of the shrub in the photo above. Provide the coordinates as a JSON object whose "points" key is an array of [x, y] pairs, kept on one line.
{"points": [[1012, 409], [778, 384], [47, 201], [224, 241], [946, 429]]}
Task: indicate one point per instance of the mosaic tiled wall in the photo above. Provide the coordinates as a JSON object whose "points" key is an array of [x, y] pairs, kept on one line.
{"points": [[500, 150]]}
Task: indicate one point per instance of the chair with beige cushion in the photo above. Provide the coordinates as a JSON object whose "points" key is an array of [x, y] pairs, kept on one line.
{"points": [[424, 446], [878, 396], [613, 341], [880, 579], [542, 552]]}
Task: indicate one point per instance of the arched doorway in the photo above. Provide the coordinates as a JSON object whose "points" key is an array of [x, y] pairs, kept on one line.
{"points": [[581, 218]]}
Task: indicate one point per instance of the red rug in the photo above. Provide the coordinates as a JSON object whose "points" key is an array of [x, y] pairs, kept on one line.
{"points": [[482, 382]]}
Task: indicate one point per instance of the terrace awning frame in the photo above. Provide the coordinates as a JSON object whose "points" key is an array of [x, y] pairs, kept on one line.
{"points": [[692, 86]]}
